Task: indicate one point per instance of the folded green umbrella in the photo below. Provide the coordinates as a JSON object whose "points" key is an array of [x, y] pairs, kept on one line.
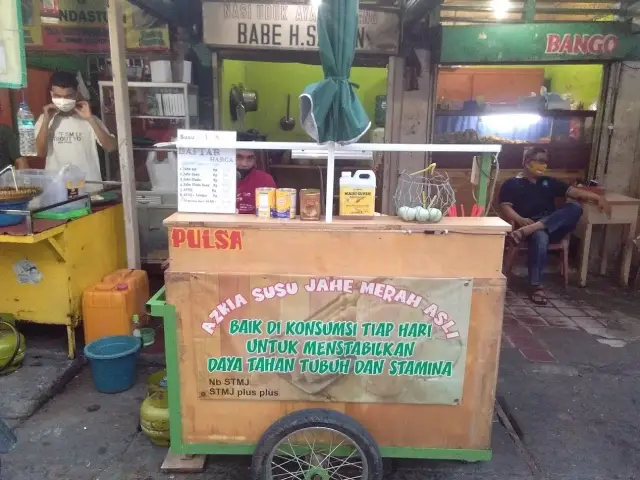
{"points": [[330, 110]]}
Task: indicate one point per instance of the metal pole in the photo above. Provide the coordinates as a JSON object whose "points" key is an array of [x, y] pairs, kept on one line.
{"points": [[217, 87], [328, 201], [483, 182], [325, 149], [529, 13], [123, 123]]}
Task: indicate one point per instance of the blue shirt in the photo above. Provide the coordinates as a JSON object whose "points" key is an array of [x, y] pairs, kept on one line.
{"points": [[533, 200]]}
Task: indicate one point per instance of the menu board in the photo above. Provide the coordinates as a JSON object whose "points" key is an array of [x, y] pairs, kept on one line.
{"points": [[206, 175]]}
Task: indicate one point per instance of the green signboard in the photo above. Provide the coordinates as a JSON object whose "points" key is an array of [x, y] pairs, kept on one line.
{"points": [[539, 43]]}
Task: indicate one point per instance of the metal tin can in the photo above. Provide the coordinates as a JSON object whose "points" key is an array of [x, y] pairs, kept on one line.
{"points": [[286, 203], [265, 202], [310, 204]]}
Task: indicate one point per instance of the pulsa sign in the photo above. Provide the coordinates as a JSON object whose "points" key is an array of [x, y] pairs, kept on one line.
{"points": [[577, 44], [289, 27]]}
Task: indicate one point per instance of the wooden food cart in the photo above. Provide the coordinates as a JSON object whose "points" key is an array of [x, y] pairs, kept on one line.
{"points": [[45, 271], [383, 332]]}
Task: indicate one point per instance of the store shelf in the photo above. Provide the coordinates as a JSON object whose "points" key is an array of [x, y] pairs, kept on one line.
{"points": [[314, 167], [151, 85], [515, 110], [153, 117], [153, 149], [300, 167]]}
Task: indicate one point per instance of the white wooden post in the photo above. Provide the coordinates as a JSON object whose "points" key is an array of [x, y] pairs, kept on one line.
{"points": [[123, 124]]}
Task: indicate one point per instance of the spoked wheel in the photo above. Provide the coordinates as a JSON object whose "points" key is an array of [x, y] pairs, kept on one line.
{"points": [[317, 444]]}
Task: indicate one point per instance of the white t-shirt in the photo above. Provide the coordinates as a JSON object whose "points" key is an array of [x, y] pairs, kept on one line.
{"points": [[72, 141]]}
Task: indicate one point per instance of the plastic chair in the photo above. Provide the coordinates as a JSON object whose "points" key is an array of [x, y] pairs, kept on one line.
{"points": [[512, 252]]}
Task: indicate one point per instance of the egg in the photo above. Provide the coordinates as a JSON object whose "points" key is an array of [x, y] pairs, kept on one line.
{"points": [[408, 214], [435, 215], [422, 214]]}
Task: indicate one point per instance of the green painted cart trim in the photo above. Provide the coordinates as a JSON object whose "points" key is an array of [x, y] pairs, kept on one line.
{"points": [[387, 452], [527, 43], [158, 307], [483, 181]]}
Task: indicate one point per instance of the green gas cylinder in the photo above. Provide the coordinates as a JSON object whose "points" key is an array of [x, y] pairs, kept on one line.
{"points": [[154, 411], [12, 346]]}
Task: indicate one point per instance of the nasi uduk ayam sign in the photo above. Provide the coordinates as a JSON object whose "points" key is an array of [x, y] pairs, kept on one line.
{"points": [[289, 27], [343, 339]]}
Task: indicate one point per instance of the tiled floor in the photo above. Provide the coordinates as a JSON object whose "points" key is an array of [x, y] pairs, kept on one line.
{"points": [[523, 320]]}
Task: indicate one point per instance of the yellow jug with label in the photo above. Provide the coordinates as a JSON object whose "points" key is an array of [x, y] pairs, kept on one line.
{"points": [[358, 195]]}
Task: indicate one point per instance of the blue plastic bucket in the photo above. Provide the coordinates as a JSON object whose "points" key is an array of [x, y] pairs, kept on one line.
{"points": [[6, 219], [113, 362]]}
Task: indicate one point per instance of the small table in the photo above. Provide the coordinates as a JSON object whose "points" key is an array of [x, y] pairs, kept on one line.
{"points": [[44, 273], [624, 212]]}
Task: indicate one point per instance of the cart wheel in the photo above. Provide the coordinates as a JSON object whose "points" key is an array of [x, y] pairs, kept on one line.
{"points": [[316, 444]]}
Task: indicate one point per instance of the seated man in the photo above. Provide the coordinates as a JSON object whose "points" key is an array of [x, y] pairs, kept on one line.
{"points": [[249, 177], [528, 201]]}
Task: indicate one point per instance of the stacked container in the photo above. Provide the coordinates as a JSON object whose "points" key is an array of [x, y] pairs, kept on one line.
{"points": [[108, 308]]}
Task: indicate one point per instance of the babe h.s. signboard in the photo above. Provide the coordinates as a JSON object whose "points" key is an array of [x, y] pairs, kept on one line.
{"points": [[280, 26], [399, 340]]}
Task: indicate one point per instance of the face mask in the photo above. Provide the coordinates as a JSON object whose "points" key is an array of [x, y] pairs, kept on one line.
{"points": [[243, 172], [537, 168], [64, 104]]}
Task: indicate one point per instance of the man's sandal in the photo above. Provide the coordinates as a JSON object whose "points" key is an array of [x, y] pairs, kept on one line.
{"points": [[537, 296]]}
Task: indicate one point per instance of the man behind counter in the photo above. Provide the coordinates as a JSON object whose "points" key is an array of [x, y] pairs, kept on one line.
{"points": [[249, 177]]}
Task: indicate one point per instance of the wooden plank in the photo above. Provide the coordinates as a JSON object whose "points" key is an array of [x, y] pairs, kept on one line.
{"points": [[123, 122], [175, 463], [377, 224], [317, 253], [34, 238], [393, 119], [618, 199]]}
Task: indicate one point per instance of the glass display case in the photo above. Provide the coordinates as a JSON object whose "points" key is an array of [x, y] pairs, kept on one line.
{"points": [[154, 101], [549, 126], [158, 110]]}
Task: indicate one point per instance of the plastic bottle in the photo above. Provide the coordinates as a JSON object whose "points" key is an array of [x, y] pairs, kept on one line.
{"points": [[358, 194], [26, 131], [68, 184]]}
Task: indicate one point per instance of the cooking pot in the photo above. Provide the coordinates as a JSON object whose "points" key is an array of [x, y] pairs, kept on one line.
{"points": [[250, 100]]}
